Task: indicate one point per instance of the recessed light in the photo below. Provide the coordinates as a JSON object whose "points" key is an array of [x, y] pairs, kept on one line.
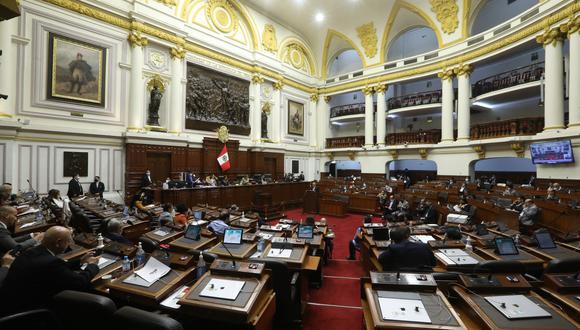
{"points": [[319, 17]]}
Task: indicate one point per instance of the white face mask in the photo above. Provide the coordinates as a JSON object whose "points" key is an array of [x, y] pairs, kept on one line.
{"points": [[172, 213]]}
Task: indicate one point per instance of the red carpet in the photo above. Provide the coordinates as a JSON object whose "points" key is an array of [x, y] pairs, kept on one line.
{"points": [[336, 305]]}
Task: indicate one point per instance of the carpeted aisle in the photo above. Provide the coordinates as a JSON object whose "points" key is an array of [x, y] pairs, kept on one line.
{"points": [[336, 305]]}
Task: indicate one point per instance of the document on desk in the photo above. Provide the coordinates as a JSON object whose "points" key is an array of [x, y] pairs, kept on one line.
{"points": [[517, 307], [161, 233], [423, 238], [30, 210], [279, 253], [29, 224], [404, 310], [171, 301], [444, 258], [153, 270], [464, 260], [222, 289], [454, 252], [106, 260]]}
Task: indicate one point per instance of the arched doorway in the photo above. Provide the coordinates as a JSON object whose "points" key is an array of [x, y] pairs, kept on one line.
{"points": [[342, 168], [416, 169], [514, 169]]}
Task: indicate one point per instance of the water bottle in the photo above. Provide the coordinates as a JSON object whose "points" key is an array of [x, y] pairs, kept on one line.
{"points": [[243, 215], [140, 255], [261, 244], [125, 212], [201, 266], [100, 244], [126, 264], [517, 239], [468, 244], [39, 216]]}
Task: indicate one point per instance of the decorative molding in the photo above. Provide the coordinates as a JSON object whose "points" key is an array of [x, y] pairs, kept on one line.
{"points": [[394, 154], [519, 148], [446, 12], [168, 2], [550, 36], [314, 98], [269, 40], [480, 151], [446, 74], [278, 85], [295, 54], [367, 34], [572, 26], [257, 79], [463, 69], [351, 155], [267, 107], [330, 156], [178, 52], [330, 34], [327, 98], [368, 90], [381, 88], [156, 81], [136, 39], [222, 15], [423, 153]]}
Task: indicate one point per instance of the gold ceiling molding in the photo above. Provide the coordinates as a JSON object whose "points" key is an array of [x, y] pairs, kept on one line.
{"points": [[480, 151], [368, 90], [314, 98], [222, 15], [519, 148], [465, 19], [367, 34], [327, 99], [446, 74], [423, 153], [572, 26], [257, 79], [330, 34], [463, 69], [446, 12], [156, 81], [551, 36], [177, 52], [381, 88], [269, 41], [295, 53], [278, 85], [394, 154], [136, 39], [168, 2]]}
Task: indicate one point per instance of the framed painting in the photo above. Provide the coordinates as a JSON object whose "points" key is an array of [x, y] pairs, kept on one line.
{"points": [[76, 71], [295, 118], [75, 163]]}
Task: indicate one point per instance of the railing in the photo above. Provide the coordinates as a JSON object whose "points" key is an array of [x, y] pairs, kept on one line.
{"points": [[347, 110], [420, 137], [415, 99], [496, 129], [522, 75], [345, 142]]}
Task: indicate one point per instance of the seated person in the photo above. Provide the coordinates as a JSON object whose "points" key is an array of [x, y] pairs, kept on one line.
{"points": [[245, 181], [429, 214], [452, 234], [390, 206], [224, 181], [403, 254], [219, 225], [181, 216], [552, 196], [354, 244], [554, 187], [517, 205], [115, 232], [5, 193], [8, 221], [310, 221], [141, 200], [38, 274], [420, 208], [529, 214], [383, 197], [388, 189], [58, 206], [509, 190], [166, 217], [463, 207], [314, 187], [463, 189], [402, 212]]}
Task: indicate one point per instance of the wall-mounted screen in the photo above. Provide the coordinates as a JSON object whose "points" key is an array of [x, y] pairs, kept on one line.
{"points": [[554, 152]]}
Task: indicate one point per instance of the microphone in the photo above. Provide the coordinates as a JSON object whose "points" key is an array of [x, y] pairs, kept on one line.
{"points": [[231, 255]]}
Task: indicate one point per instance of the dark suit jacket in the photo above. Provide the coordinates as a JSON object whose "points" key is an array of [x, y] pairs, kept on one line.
{"points": [[7, 242], [430, 215], [407, 255], [118, 238], [36, 276], [97, 188], [74, 188], [393, 207], [145, 182]]}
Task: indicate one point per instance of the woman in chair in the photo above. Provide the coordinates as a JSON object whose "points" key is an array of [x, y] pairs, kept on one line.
{"points": [[59, 206]]}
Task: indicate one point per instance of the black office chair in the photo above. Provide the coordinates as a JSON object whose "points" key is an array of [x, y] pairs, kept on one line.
{"points": [[286, 285], [148, 244], [500, 267], [82, 222], [207, 257], [567, 265], [75, 308], [37, 319], [133, 318]]}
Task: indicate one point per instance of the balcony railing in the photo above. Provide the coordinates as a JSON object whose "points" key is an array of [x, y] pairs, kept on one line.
{"points": [[512, 127], [420, 137], [345, 142], [415, 99], [347, 110], [507, 79]]}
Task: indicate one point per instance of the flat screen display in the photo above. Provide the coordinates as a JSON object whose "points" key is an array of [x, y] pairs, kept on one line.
{"points": [[554, 152], [505, 246], [545, 240], [381, 234], [233, 236], [198, 215], [193, 232], [305, 232]]}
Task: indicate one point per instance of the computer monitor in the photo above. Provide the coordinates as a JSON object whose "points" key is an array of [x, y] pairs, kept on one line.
{"points": [[305, 232], [233, 236], [481, 229], [198, 215], [545, 240], [380, 234], [505, 246], [193, 232]]}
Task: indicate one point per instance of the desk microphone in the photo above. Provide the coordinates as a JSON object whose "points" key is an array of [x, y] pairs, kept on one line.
{"points": [[231, 255]]}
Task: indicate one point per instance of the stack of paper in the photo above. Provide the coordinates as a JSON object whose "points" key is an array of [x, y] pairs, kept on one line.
{"points": [[279, 253], [222, 289], [149, 274], [404, 310], [422, 238]]}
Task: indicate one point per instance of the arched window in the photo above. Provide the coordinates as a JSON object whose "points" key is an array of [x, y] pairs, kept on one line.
{"points": [[492, 13], [346, 61], [414, 41]]}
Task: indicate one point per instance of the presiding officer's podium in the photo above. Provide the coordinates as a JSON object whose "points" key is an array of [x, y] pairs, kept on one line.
{"points": [[311, 201]]}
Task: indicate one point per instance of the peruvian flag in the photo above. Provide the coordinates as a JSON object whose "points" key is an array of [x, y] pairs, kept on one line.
{"points": [[223, 159]]}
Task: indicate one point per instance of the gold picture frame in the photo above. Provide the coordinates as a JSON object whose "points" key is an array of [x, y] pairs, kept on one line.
{"points": [[295, 118]]}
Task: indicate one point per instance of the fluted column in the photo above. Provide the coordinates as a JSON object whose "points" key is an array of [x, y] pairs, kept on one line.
{"points": [[256, 113], [554, 79], [463, 73], [176, 111], [136, 108], [276, 111], [312, 125], [447, 105], [8, 67], [572, 28], [381, 114], [369, 110], [323, 112]]}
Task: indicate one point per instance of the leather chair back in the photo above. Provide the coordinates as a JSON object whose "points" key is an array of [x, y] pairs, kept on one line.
{"points": [[133, 318], [83, 310], [148, 244], [568, 265], [37, 319], [501, 266]]}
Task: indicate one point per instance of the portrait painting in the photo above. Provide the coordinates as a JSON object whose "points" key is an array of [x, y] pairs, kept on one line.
{"points": [[75, 163], [295, 118], [76, 71]]}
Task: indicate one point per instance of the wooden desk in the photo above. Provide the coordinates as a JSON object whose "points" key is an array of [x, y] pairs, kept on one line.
{"points": [[533, 264], [242, 251], [172, 235], [295, 261], [458, 268], [311, 202], [186, 244], [559, 252], [332, 207], [568, 301]]}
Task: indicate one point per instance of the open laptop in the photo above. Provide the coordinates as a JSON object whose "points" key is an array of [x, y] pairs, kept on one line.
{"points": [[545, 240], [505, 246], [306, 232], [198, 215], [233, 237], [381, 237], [193, 232]]}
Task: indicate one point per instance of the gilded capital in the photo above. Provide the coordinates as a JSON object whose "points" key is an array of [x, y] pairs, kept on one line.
{"points": [[463, 69], [327, 98], [480, 151], [368, 90], [177, 52], [278, 85], [314, 98], [550, 36], [257, 79], [572, 26], [381, 88], [519, 148], [168, 2], [136, 39], [446, 74]]}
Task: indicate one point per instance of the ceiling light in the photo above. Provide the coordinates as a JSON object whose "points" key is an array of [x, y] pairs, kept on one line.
{"points": [[319, 17]]}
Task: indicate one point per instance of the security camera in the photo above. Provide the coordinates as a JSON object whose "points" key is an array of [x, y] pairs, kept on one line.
{"points": [[3, 96]]}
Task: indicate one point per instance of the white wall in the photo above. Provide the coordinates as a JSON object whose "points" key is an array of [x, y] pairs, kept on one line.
{"points": [[414, 41], [344, 62], [413, 165], [495, 12], [505, 165]]}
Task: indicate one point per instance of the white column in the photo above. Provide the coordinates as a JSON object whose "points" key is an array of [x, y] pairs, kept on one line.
{"points": [[447, 105], [8, 67], [275, 135], [323, 112], [369, 112], [136, 105], [256, 112], [381, 114], [573, 30], [463, 73], [176, 110], [312, 125], [554, 79]]}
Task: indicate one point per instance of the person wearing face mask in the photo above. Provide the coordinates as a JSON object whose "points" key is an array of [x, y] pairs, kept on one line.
{"points": [[7, 225], [39, 273], [165, 185], [146, 181], [97, 187], [75, 189]]}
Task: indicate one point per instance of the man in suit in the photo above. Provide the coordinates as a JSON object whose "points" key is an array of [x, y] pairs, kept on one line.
{"points": [[38, 274], [7, 224], [429, 214], [529, 214], [403, 254], [146, 181], [390, 206], [314, 187], [75, 188], [115, 232], [189, 182], [97, 187]]}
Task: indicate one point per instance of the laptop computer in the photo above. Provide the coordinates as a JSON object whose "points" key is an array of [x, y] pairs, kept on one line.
{"points": [[505, 246], [381, 237], [545, 240], [305, 232], [193, 232]]}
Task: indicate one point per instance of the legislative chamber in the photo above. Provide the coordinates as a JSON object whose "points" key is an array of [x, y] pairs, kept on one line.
{"points": [[290, 164]]}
